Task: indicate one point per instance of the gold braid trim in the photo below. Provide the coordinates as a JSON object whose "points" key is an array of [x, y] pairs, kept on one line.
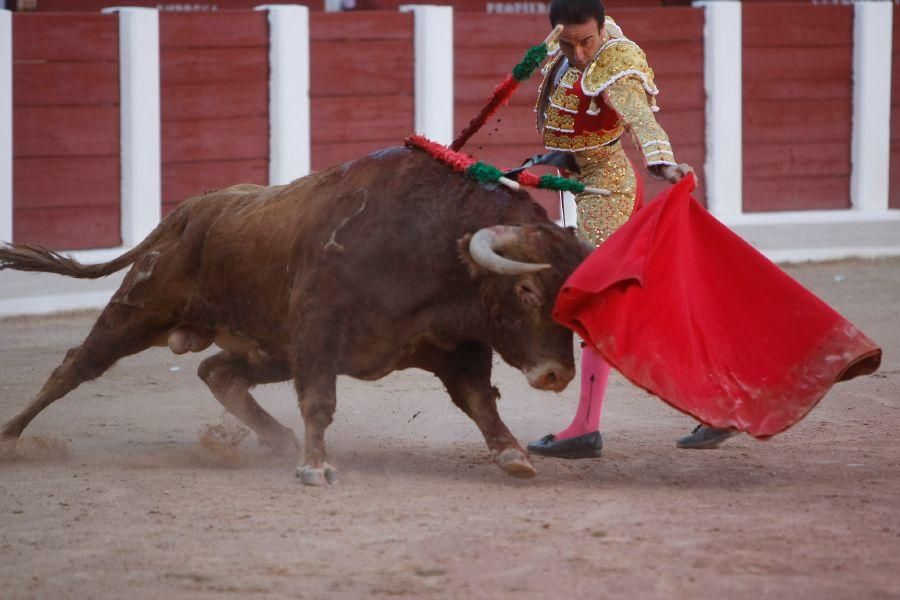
{"points": [[559, 121], [563, 101], [546, 88], [618, 58], [589, 140], [628, 98]]}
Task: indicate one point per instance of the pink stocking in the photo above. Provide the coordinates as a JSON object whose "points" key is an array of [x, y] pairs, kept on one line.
{"points": [[594, 374]]}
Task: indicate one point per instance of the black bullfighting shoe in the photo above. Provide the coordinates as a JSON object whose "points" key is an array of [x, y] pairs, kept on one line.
{"points": [[704, 438], [588, 445]]}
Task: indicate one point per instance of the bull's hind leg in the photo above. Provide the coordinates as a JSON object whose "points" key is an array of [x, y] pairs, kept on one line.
{"points": [[230, 377], [466, 373], [119, 331]]}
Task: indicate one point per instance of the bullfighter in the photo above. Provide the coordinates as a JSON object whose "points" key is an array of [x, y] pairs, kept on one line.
{"points": [[597, 88]]}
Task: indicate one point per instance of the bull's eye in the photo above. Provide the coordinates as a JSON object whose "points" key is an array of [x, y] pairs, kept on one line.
{"points": [[529, 294]]}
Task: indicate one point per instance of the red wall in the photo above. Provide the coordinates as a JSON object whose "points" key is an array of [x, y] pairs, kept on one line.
{"points": [[207, 5], [214, 71], [66, 130], [167, 5], [510, 6], [797, 106], [361, 84], [673, 41], [488, 46]]}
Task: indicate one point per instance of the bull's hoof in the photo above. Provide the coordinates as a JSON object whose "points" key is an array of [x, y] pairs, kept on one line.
{"points": [[324, 475], [281, 443], [515, 463]]}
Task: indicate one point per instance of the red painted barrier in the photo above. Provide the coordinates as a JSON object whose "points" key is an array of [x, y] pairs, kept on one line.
{"points": [[202, 6], [497, 6], [797, 106], [214, 72], [66, 131], [361, 87], [510, 7]]}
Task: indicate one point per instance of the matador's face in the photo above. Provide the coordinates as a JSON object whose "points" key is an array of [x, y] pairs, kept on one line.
{"points": [[581, 42]]}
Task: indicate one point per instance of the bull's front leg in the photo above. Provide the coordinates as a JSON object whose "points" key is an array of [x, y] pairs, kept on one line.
{"points": [[316, 395], [466, 373]]}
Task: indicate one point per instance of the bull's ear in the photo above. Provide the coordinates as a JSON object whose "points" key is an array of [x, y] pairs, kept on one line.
{"points": [[529, 292]]}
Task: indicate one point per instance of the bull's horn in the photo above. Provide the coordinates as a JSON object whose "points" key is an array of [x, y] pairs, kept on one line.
{"points": [[487, 241]]}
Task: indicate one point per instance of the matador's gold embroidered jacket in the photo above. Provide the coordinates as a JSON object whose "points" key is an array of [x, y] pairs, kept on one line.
{"points": [[584, 111], [587, 112]]}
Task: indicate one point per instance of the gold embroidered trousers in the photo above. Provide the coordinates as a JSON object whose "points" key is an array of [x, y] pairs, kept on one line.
{"points": [[607, 167]]}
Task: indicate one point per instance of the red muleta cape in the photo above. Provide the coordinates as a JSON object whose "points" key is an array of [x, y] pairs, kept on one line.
{"points": [[689, 311]]}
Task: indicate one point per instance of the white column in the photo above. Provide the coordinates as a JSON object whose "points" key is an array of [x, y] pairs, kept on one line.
{"points": [[871, 145], [433, 71], [722, 63], [6, 135], [289, 121], [140, 121]]}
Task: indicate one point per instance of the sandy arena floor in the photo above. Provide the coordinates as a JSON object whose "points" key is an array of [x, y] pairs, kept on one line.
{"points": [[131, 487]]}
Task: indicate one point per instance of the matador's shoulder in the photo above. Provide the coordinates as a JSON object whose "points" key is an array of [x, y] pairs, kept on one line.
{"points": [[619, 57]]}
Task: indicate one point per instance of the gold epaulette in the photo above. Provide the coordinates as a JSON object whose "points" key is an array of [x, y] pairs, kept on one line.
{"points": [[612, 28], [619, 57]]}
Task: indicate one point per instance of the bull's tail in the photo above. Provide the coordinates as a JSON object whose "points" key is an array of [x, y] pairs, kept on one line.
{"points": [[27, 257]]}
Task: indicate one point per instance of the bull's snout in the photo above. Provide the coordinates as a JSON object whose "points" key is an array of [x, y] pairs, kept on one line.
{"points": [[553, 377]]}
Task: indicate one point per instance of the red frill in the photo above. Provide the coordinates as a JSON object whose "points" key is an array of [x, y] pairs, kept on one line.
{"points": [[499, 96]]}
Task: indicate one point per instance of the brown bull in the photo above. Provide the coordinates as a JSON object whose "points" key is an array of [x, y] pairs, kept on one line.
{"points": [[388, 262]]}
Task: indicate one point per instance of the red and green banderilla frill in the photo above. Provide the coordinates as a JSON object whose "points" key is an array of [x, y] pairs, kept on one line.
{"points": [[487, 173], [522, 71]]}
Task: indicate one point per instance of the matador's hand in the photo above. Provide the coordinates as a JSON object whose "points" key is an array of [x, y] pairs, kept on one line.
{"points": [[672, 173]]}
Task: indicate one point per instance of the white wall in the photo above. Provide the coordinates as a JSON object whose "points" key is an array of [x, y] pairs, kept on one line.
{"points": [[289, 105], [6, 133], [433, 58], [140, 122]]}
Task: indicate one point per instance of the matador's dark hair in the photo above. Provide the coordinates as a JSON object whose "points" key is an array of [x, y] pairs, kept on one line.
{"points": [[576, 12]]}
